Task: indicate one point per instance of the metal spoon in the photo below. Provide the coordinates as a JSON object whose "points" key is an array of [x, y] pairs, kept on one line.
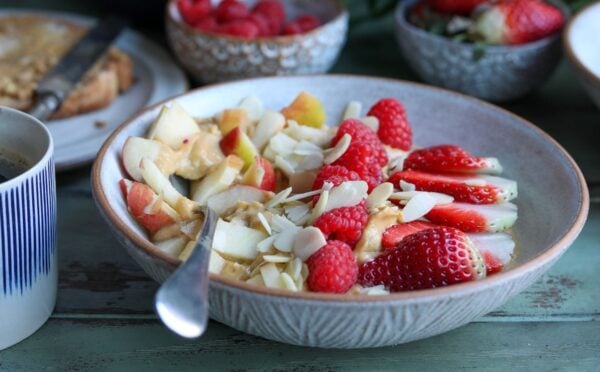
{"points": [[182, 301]]}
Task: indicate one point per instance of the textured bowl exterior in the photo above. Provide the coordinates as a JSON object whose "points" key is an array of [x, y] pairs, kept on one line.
{"points": [[370, 321], [212, 58], [494, 73]]}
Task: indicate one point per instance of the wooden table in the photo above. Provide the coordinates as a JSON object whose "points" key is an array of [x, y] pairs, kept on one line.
{"points": [[104, 319]]}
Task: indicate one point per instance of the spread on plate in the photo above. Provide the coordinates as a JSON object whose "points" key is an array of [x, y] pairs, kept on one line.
{"points": [[304, 206], [31, 45]]}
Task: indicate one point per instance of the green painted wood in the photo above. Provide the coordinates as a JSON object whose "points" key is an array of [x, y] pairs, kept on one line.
{"points": [[134, 345]]}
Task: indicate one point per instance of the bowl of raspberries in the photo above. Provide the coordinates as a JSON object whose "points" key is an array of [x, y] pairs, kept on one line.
{"points": [[231, 39], [497, 50]]}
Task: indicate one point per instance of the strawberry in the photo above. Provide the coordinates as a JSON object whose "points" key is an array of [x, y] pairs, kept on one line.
{"points": [[207, 24], [474, 218], [360, 132], [262, 23], [332, 268], [231, 10], [345, 224], [292, 28], [274, 12], [517, 21], [394, 129], [307, 22], [241, 28], [393, 235], [467, 189], [193, 11], [464, 7], [450, 158], [496, 249], [431, 258]]}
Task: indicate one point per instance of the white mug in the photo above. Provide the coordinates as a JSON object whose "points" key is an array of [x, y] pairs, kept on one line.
{"points": [[28, 259]]}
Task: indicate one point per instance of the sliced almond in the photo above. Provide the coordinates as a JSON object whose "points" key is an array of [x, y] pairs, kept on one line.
{"points": [[319, 208], [310, 162], [302, 196], [298, 214], [264, 222], [347, 194], [407, 186], [285, 165], [380, 195], [294, 267], [278, 198], [418, 207], [371, 122], [352, 110], [438, 197], [285, 239], [286, 282], [308, 241], [377, 290], [281, 223], [265, 245], [338, 150], [270, 275], [307, 148], [256, 280], [277, 258], [253, 107]]}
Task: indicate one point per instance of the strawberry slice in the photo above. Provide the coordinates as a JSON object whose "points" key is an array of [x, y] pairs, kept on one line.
{"points": [[464, 7], [468, 189], [450, 158], [431, 258], [394, 234], [474, 218], [496, 249], [517, 21]]}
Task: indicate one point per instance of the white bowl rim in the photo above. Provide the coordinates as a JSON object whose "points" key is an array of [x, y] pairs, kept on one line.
{"points": [[551, 253], [566, 39], [400, 18], [342, 13]]}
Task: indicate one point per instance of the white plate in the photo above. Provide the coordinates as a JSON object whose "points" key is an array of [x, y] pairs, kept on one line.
{"points": [[157, 77]]}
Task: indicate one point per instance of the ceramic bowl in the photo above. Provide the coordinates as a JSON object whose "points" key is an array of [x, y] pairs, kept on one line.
{"points": [[212, 58], [580, 41], [543, 232], [494, 72]]}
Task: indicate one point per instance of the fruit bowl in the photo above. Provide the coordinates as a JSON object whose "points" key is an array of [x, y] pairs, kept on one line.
{"points": [[496, 73], [212, 58], [543, 232]]}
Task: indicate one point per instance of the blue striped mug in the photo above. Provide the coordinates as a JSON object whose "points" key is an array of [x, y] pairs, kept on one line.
{"points": [[28, 260]]}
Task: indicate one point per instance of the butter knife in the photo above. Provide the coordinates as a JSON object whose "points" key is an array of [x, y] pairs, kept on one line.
{"points": [[57, 84]]}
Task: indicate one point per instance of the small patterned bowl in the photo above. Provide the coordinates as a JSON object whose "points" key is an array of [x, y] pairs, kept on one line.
{"points": [[580, 40], [496, 73], [211, 58], [544, 230]]}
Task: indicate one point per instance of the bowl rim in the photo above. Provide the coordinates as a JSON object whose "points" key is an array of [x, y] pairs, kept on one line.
{"points": [[552, 252], [401, 20], [566, 40], [342, 12]]}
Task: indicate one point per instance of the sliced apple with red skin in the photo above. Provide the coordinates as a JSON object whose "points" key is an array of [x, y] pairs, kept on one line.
{"points": [[137, 148], [186, 208], [234, 118], [174, 126], [146, 207], [260, 174], [306, 109], [218, 180], [229, 198], [237, 142]]}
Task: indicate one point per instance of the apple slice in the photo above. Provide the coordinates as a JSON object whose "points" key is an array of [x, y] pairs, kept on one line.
{"points": [[173, 246], [260, 174], [161, 185], [234, 118], [148, 209], [204, 153], [136, 148], [270, 124], [237, 142], [218, 180], [229, 198], [307, 110], [173, 127], [253, 106], [237, 241]]}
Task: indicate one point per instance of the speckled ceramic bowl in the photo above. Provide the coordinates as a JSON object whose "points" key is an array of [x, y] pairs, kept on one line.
{"points": [[543, 232], [496, 73], [212, 58], [581, 43]]}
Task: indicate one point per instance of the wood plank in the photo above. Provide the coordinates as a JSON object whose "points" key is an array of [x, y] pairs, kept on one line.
{"points": [[143, 345]]}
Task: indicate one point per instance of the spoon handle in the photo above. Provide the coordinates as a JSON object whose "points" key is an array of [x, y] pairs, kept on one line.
{"points": [[182, 301]]}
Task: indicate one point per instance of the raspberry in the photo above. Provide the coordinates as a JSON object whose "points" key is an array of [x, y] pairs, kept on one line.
{"points": [[261, 22], [370, 173], [241, 28], [363, 157], [345, 224], [292, 28], [332, 268], [335, 175], [307, 22], [230, 10], [193, 11], [208, 24], [360, 132], [394, 129], [273, 12]]}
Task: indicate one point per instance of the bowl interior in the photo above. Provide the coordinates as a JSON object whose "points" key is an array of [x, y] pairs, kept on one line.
{"points": [[583, 36], [551, 194]]}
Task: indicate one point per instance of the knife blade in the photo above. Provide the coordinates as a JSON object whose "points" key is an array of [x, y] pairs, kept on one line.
{"points": [[61, 79]]}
